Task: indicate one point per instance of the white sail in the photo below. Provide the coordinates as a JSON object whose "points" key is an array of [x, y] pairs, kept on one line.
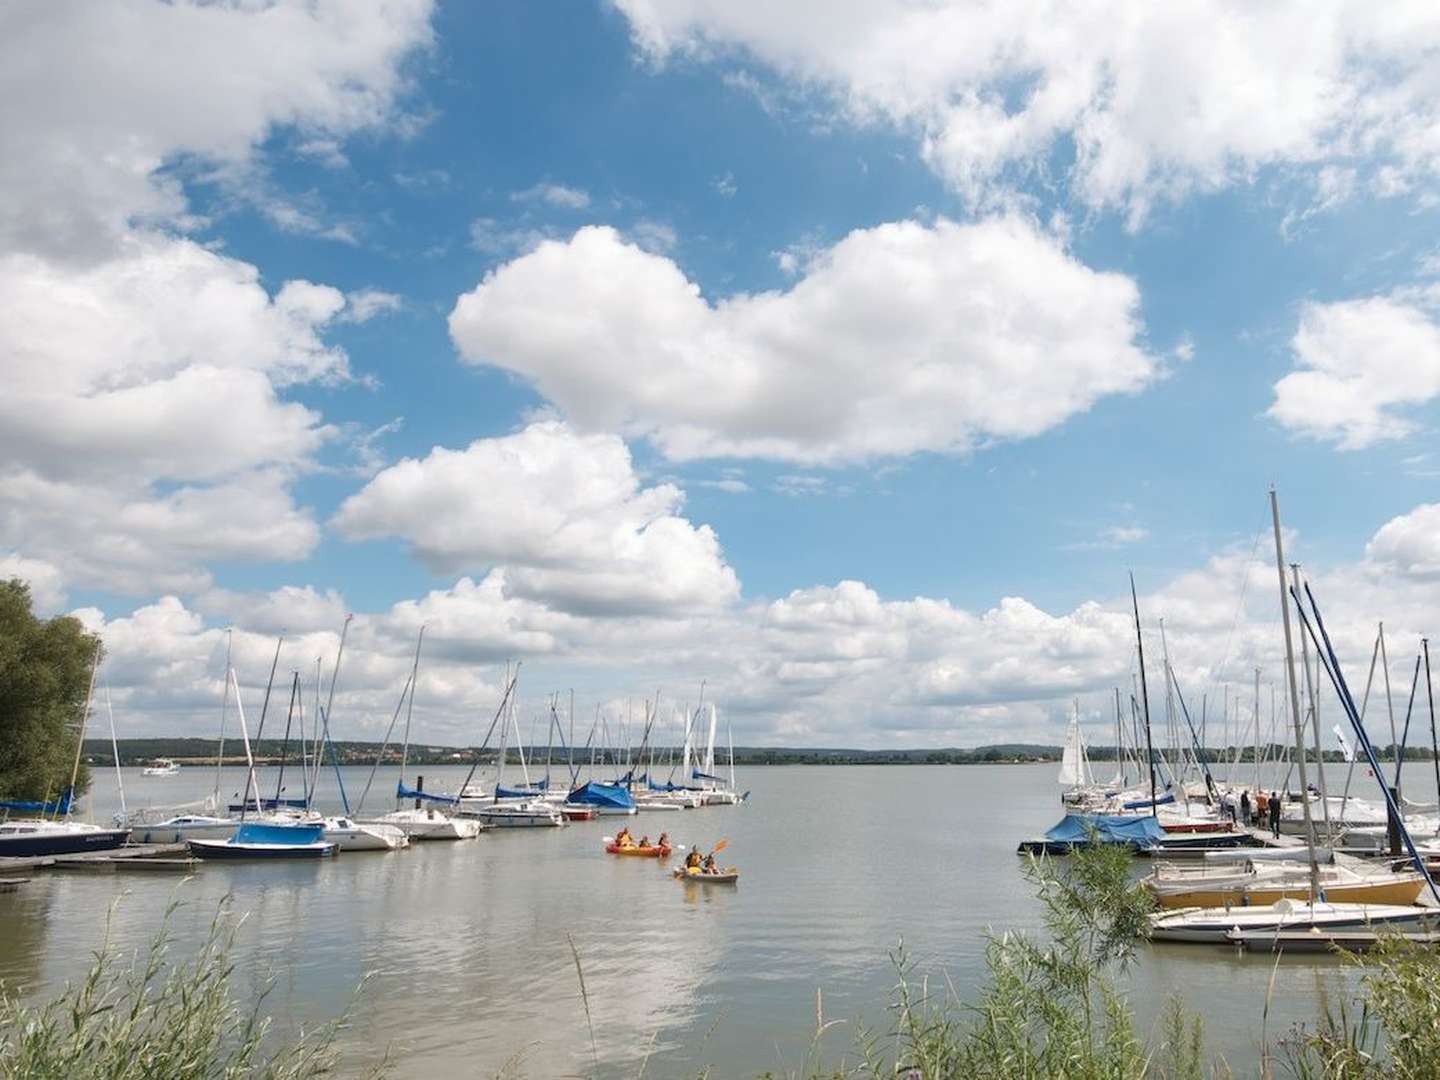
{"points": [[1072, 761]]}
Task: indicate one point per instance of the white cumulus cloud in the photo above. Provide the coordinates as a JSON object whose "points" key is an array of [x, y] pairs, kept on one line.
{"points": [[900, 338], [563, 514], [1153, 101], [1363, 366]]}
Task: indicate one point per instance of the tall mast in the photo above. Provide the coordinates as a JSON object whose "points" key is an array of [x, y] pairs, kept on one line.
{"points": [[1257, 731], [410, 706], [1294, 698], [1430, 696], [224, 705], [1144, 694], [1389, 705], [80, 735], [1314, 691]]}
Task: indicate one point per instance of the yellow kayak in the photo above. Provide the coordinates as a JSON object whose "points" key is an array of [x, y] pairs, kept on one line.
{"points": [[729, 876]]}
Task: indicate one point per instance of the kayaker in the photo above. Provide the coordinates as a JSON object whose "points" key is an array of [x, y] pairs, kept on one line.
{"points": [[664, 840], [624, 839], [692, 861], [645, 840], [710, 867]]}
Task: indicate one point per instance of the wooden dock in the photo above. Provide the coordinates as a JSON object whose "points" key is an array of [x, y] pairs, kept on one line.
{"points": [[159, 857]]}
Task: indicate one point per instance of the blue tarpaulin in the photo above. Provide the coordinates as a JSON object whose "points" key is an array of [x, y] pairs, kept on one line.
{"points": [[1145, 804], [602, 795], [403, 792], [30, 806], [255, 832], [1140, 832], [696, 774]]}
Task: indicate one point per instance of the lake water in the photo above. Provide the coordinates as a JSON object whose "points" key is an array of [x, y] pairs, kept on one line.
{"points": [[466, 947]]}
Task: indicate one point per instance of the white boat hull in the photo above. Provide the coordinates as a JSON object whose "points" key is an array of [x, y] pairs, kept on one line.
{"points": [[181, 830], [1212, 925], [428, 825], [348, 835]]}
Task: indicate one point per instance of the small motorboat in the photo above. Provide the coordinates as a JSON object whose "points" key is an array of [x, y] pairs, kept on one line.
{"points": [[350, 835], [648, 851], [579, 813], [267, 840], [535, 814], [430, 824], [181, 828], [1213, 925], [728, 876], [161, 767]]}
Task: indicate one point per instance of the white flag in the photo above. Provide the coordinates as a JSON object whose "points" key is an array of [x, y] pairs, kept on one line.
{"points": [[1344, 746]]}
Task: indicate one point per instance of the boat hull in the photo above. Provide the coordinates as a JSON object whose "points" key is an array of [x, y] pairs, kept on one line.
{"points": [[31, 846], [422, 826], [649, 852], [729, 877], [1211, 926], [1403, 891], [166, 833], [224, 849]]}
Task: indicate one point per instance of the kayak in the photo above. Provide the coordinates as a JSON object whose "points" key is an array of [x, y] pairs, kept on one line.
{"points": [[729, 877], [653, 851]]}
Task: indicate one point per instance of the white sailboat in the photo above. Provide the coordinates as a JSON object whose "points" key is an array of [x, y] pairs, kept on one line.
{"points": [[501, 813]]}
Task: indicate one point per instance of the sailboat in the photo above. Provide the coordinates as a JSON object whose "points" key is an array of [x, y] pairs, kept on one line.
{"points": [[1315, 910], [57, 834], [161, 767], [263, 839], [495, 809], [1075, 771]]}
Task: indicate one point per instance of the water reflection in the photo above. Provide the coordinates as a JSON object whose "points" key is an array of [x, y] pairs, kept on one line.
{"points": [[466, 947]]}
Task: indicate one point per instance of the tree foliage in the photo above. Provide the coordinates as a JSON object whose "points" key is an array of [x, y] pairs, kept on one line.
{"points": [[44, 676]]}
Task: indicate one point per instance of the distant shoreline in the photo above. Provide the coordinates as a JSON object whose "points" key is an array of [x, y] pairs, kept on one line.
{"points": [[197, 751]]}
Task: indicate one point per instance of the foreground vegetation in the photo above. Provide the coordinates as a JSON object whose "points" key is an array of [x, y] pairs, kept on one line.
{"points": [[1052, 1006], [151, 1018]]}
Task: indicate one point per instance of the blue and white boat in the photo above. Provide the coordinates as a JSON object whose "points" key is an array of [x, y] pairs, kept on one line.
{"points": [[608, 800], [268, 840]]}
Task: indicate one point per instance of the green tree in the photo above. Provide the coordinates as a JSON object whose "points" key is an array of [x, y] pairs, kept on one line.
{"points": [[44, 677]]}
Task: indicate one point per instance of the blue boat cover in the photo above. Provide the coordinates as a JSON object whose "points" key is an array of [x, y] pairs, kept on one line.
{"points": [[258, 832], [269, 804], [35, 806], [597, 794], [696, 774], [519, 792], [1109, 829], [403, 792], [1145, 804]]}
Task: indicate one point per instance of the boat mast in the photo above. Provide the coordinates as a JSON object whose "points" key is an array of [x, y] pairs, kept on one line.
{"points": [[1119, 744], [249, 757], [80, 735], [224, 705], [410, 711], [115, 748], [1430, 696], [1314, 689], [1144, 694], [285, 745], [1389, 702], [1290, 681], [1257, 731]]}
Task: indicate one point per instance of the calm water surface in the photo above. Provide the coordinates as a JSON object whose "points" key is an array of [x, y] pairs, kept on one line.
{"points": [[467, 947]]}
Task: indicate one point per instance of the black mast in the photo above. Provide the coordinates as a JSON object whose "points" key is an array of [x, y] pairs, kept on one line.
{"points": [[1144, 694]]}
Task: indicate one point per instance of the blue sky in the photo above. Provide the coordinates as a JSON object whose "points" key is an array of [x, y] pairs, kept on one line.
{"points": [[432, 147]]}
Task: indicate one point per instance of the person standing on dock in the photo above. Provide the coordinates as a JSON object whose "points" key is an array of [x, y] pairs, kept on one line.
{"points": [[1275, 813], [1245, 807]]}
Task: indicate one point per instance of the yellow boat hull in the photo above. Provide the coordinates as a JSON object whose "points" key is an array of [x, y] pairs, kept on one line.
{"points": [[1403, 890]]}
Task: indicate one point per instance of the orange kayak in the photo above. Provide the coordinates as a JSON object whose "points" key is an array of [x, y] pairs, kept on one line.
{"points": [[651, 851]]}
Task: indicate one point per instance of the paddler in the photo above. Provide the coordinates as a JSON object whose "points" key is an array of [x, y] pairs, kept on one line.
{"points": [[624, 839], [692, 861], [710, 867], [664, 840], [645, 840]]}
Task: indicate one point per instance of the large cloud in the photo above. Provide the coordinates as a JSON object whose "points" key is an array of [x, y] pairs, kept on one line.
{"points": [[1150, 101], [564, 513], [143, 425], [1363, 365], [901, 338], [96, 98], [826, 665]]}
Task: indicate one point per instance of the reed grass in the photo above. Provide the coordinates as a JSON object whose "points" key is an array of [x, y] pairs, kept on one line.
{"points": [[154, 1018]]}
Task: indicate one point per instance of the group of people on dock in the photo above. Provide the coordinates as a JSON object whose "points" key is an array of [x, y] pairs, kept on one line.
{"points": [[1264, 811]]}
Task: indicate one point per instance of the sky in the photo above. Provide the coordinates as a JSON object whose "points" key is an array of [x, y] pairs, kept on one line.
{"points": [[844, 357]]}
